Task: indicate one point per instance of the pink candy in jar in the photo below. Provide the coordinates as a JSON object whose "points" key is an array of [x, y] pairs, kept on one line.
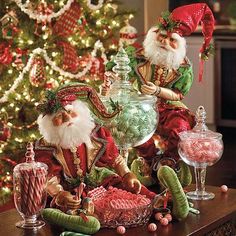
{"points": [[201, 150]]}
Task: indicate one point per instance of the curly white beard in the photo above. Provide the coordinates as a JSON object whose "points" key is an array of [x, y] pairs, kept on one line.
{"points": [[169, 57], [68, 135]]}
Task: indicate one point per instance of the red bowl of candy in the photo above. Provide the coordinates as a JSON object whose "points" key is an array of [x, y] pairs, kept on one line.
{"points": [[115, 207]]}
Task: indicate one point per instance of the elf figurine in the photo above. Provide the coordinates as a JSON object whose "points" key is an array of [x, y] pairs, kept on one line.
{"points": [[163, 70], [76, 149]]}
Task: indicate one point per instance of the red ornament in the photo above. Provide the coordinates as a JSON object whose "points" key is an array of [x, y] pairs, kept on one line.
{"points": [[37, 72], [68, 22], [5, 131], [44, 10], [51, 84], [5, 54], [98, 67], [70, 59], [20, 59]]}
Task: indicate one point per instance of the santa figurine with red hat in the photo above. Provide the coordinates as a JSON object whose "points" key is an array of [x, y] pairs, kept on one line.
{"points": [[164, 71], [76, 149]]}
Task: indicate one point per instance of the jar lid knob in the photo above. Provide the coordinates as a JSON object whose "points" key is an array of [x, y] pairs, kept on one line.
{"points": [[200, 118]]}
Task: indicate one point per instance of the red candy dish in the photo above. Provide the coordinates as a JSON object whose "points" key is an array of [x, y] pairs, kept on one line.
{"points": [[115, 207]]}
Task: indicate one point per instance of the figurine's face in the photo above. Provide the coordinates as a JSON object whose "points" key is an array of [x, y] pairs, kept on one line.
{"points": [[68, 128], [164, 49], [167, 41], [64, 116]]}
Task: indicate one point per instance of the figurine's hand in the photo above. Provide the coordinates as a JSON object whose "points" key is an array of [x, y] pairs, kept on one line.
{"points": [[66, 199], [131, 183], [149, 88]]}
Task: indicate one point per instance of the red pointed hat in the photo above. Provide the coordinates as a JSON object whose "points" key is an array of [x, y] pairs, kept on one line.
{"points": [[190, 16], [184, 21]]}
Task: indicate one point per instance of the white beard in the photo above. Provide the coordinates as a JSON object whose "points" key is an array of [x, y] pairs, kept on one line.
{"points": [[68, 136], [169, 57]]}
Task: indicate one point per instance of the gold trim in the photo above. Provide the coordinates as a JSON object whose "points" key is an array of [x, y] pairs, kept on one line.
{"points": [[92, 153]]}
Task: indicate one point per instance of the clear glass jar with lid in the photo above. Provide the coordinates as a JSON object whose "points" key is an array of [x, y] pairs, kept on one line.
{"points": [[29, 180], [138, 118], [200, 147]]}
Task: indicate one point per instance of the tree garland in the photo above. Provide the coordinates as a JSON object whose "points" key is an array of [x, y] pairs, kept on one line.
{"points": [[40, 17], [42, 52]]}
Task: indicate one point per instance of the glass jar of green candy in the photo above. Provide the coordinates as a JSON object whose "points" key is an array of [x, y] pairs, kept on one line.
{"points": [[137, 120]]}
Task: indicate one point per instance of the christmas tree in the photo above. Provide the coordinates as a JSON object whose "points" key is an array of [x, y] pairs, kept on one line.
{"points": [[44, 44]]}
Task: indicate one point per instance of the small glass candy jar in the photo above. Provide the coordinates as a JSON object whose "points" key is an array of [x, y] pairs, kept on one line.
{"points": [[200, 147], [29, 179]]}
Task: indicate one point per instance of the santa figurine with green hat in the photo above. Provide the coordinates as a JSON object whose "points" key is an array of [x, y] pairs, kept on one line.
{"points": [[76, 149]]}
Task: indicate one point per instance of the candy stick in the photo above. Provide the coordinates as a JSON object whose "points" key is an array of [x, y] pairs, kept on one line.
{"points": [[80, 190]]}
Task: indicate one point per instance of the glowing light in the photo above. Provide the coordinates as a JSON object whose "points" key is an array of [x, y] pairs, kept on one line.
{"points": [[18, 96], [12, 105], [9, 124], [61, 3], [10, 71], [131, 16], [6, 189], [19, 140], [32, 136], [51, 72], [30, 41], [3, 109], [45, 36], [98, 23], [54, 54]]}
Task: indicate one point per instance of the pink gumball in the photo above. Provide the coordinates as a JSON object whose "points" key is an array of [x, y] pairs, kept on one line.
{"points": [[168, 217], [164, 221], [152, 227], [158, 216], [224, 189], [120, 230]]}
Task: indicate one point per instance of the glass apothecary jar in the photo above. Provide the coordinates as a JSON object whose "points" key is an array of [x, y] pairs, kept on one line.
{"points": [[200, 147], [137, 121], [29, 180]]}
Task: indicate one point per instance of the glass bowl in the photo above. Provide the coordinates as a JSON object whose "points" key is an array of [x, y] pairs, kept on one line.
{"points": [[136, 123], [116, 207]]}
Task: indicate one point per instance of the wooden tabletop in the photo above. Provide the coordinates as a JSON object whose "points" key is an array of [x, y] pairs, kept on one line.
{"points": [[213, 213]]}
